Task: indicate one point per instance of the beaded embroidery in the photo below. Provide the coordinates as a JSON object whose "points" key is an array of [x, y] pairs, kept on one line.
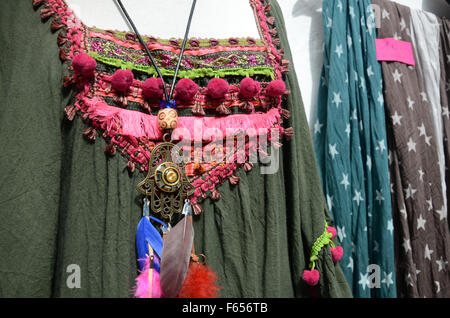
{"points": [[106, 112]]}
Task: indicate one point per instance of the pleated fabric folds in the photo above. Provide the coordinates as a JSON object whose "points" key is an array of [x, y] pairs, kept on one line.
{"points": [[351, 147]]}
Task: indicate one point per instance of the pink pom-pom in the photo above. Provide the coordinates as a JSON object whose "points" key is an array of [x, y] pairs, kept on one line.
{"points": [[276, 88], [217, 88], [153, 88], [84, 64], [186, 90], [333, 231], [311, 277], [122, 80], [249, 88], [337, 253]]}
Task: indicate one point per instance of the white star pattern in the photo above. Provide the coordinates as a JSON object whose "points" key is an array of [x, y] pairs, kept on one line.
{"points": [[369, 162], [332, 150], [397, 76], [358, 197], [421, 174], [402, 24], [409, 280], [364, 281], [410, 192], [329, 202], [339, 50], [380, 99], [379, 196], [350, 263], [387, 279], [442, 213], [422, 130], [341, 233], [385, 14], [370, 71], [381, 146], [421, 223], [337, 99], [344, 181], [411, 103], [411, 145], [406, 245], [396, 119], [348, 130], [427, 140], [330, 23], [318, 127], [352, 12], [340, 5], [438, 287], [445, 112], [430, 204], [441, 264], [428, 252], [390, 226], [424, 97]]}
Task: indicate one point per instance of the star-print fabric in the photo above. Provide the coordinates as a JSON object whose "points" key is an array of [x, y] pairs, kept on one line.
{"points": [[444, 58], [351, 148], [421, 229]]}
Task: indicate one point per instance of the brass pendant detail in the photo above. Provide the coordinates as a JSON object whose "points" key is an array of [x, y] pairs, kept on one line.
{"points": [[166, 184]]}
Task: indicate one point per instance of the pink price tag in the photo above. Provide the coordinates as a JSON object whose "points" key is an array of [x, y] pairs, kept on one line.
{"points": [[390, 49]]}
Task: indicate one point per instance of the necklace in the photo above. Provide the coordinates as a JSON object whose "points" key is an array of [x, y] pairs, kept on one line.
{"points": [[165, 188], [166, 184]]}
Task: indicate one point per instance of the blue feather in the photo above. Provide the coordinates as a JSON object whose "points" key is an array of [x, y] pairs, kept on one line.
{"points": [[147, 233]]}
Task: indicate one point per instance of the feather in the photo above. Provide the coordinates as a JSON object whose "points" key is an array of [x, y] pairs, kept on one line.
{"points": [[200, 282], [175, 257], [146, 287], [146, 234]]}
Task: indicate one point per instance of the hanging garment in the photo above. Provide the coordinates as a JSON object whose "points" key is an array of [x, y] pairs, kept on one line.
{"points": [[444, 60], [66, 205], [425, 36], [351, 147], [422, 237]]}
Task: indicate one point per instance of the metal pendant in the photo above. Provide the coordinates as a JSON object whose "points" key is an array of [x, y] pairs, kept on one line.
{"points": [[166, 184]]}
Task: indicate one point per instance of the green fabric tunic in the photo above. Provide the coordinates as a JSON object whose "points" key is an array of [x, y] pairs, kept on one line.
{"points": [[63, 202]]}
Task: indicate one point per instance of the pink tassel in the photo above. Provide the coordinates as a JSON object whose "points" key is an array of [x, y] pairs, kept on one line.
{"points": [[248, 166], [270, 20], [70, 111], [137, 124], [285, 113], [56, 25], [215, 195], [131, 166], [62, 39], [90, 133], [143, 288], [235, 179], [197, 208], [37, 3]]}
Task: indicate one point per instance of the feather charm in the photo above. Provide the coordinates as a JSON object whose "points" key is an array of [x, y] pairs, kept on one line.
{"points": [[176, 255], [147, 234]]}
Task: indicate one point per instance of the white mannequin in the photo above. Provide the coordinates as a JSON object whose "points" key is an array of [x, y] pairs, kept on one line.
{"points": [[168, 18]]}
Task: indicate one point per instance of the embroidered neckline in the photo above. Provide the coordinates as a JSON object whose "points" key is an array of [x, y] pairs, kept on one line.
{"points": [[208, 177]]}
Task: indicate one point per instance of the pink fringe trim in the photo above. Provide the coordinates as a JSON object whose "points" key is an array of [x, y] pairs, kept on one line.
{"points": [[137, 124]]}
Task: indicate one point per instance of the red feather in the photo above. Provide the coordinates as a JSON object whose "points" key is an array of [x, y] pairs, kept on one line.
{"points": [[200, 282]]}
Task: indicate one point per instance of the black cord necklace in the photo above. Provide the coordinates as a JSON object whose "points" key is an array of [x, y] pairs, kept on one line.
{"points": [[168, 95]]}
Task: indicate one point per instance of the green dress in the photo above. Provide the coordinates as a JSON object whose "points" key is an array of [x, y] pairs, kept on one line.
{"points": [[64, 202]]}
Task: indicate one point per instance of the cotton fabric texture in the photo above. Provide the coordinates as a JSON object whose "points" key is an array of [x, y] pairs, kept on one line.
{"points": [[351, 146], [64, 202]]}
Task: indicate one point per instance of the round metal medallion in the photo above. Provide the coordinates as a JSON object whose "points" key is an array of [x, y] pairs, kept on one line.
{"points": [[168, 177]]}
